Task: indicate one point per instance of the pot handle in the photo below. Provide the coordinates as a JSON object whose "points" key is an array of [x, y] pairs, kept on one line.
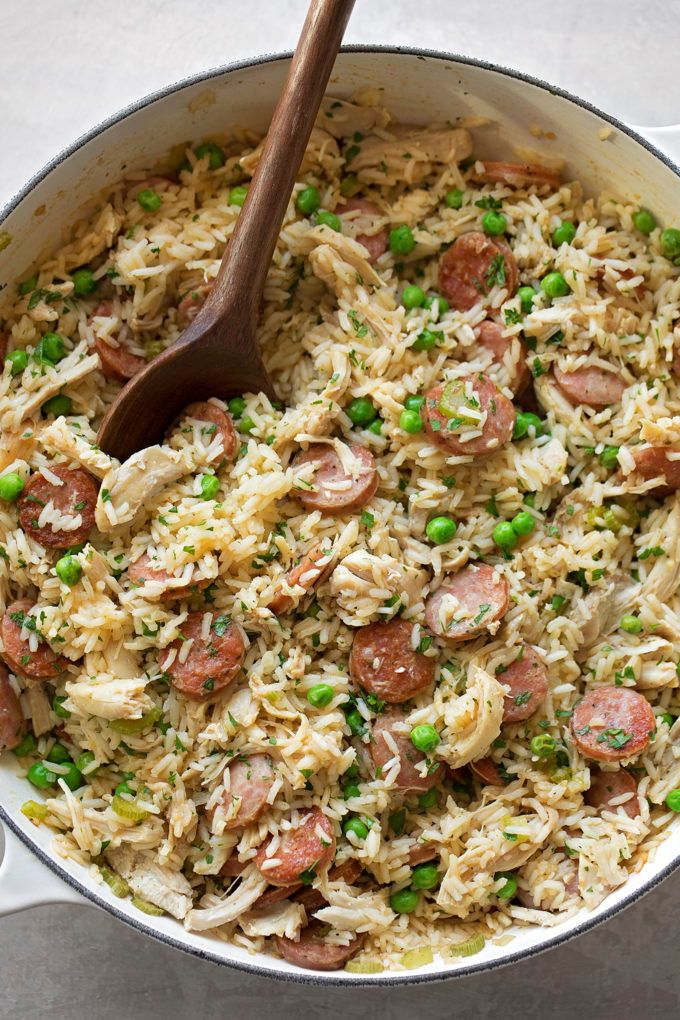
{"points": [[25, 882], [665, 138]]}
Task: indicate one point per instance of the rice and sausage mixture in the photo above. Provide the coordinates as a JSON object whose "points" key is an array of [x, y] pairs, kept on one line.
{"points": [[391, 666]]}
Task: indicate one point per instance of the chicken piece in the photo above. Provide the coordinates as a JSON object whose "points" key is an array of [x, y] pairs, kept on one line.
{"points": [[152, 882], [598, 612], [343, 119], [15, 448], [109, 698], [473, 720], [664, 577], [283, 918], [419, 150], [349, 911], [126, 488], [59, 437], [361, 575], [39, 706], [338, 259], [539, 467], [215, 911]]}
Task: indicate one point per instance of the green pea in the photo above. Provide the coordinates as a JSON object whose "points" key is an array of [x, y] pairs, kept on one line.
{"points": [[670, 244], [59, 755], [426, 340], [543, 745], [505, 536], [441, 303], [526, 297], [521, 427], [668, 719], [124, 787], [11, 486], [454, 198], [84, 282], [554, 285], [428, 799], [214, 153], [414, 402], [425, 876], [49, 349], [39, 775], [352, 771], [351, 790], [149, 200], [27, 285], [411, 422], [68, 570], [328, 219], [405, 901], [27, 746], [17, 360], [441, 530], [56, 406], [424, 738], [58, 706], [84, 760], [308, 200], [564, 234], [509, 887], [376, 426], [73, 778], [644, 221], [356, 826], [402, 241], [320, 695], [413, 296], [356, 722], [360, 411], [534, 422], [494, 223], [247, 425], [396, 821], [609, 457], [630, 624], [237, 406], [209, 486], [673, 800], [523, 523], [237, 195]]}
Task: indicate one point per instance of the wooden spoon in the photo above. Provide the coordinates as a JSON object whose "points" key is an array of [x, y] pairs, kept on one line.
{"points": [[217, 354]]}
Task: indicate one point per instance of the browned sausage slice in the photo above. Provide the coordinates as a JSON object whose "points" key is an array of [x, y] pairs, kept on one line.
{"points": [[118, 363], [528, 682], [308, 847], [312, 953], [312, 899], [518, 175], [607, 786], [655, 462], [305, 575], [408, 777], [275, 894], [75, 498], [191, 304], [385, 663], [490, 335], [468, 603], [472, 266], [218, 421], [211, 664], [422, 853], [487, 770], [249, 780], [612, 723], [12, 722], [233, 867], [451, 413], [375, 244], [144, 569], [591, 386], [43, 663], [332, 489]]}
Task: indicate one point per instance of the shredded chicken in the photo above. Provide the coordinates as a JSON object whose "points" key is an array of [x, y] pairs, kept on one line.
{"points": [[348, 910], [361, 575], [473, 720], [126, 488], [598, 612], [422, 150], [39, 706], [215, 911], [284, 918], [161, 886], [58, 436], [343, 119], [109, 698]]}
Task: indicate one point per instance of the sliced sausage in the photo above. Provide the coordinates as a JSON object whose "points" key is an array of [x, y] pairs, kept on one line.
{"points": [[218, 421], [385, 663], [191, 304], [591, 386], [308, 847], [655, 462], [408, 778], [305, 574], [43, 663], [144, 569], [490, 335], [313, 899], [211, 664], [449, 431], [333, 489], [612, 723], [375, 244], [422, 853], [518, 175], [118, 363], [607, 786], [312, 953], [468, 603], [12, 722], [487, 770], [233, 867], [274, 894], [472, 266], [527, 679], [75, 498], [248, 781]]}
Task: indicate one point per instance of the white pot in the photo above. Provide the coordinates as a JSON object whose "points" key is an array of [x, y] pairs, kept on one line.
{"points": [[418, 87]]}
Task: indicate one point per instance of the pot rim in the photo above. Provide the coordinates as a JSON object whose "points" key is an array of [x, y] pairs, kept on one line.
{"points": [[310, 977]]}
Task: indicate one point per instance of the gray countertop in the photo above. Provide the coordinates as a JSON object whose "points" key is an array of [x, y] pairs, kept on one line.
{"points": [[65, 66]]}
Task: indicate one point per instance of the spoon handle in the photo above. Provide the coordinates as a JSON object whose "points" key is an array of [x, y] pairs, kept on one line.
{"points": [[245, 265]]}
